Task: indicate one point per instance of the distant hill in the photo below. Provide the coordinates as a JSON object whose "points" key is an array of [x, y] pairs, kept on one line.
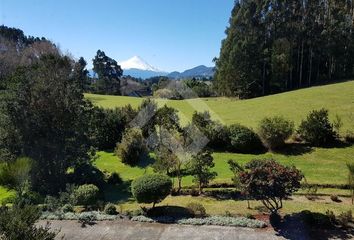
{"points": [[199, 71]]}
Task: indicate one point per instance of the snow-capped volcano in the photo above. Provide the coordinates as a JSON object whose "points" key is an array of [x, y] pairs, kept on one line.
{"points": [[137, 62]]}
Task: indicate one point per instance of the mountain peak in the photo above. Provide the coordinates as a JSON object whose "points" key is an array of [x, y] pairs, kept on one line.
{"points": [[137, 62]]}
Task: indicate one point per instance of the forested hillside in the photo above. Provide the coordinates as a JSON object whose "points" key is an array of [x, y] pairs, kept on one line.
{"points": [[279, 45]]}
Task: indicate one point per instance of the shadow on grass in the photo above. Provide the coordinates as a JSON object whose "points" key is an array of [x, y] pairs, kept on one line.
{"points": [[118, 193], [296, 227], [294, 149], [145, 161]]}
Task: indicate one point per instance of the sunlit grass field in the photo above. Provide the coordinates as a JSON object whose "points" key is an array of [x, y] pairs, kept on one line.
{"points": [[337, 98]]}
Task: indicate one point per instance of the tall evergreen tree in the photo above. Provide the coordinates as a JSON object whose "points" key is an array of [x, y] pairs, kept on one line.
{"points": [[109, 73], [278, 45]]}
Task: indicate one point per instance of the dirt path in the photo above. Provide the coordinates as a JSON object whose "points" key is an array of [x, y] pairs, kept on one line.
{"points": [[127, 230]]}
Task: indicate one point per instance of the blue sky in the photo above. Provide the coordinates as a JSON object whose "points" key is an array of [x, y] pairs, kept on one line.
{"points": [[168, 34]]}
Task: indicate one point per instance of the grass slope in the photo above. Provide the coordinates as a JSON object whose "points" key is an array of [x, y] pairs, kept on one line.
{"points": [[338, 98]]}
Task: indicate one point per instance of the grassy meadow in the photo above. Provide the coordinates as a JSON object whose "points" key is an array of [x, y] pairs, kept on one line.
{"points": [[319, 165], [337, 98]]}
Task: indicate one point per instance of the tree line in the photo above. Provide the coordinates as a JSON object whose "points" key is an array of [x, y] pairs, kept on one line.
{"points": [[279, 45]]}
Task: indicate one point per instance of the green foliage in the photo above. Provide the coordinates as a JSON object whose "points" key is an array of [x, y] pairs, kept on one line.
{"points": [[197, 209], [132, 147], [244, 140], [270, 182], [86, 194], [274, 131], [87, 174], [110, 209], [16, 175], [19, 223], [258, 57], [109, 73], [151, 188], [46, 109], [317, 129], [236, 169], [106, 128], [114, 178], [67, 208], [200, 168]]}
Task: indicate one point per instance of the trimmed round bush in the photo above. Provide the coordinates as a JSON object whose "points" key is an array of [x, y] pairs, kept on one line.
{"points": [[86, 194], [274, 131], [151, 188], [317, 129], [110, 209], [133, 147], [244, 140]]}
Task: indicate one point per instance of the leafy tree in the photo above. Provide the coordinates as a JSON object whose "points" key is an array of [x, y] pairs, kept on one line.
{"points": [[109, 73], [200, 168], [81, 74], [270, 182], [47, 111], [132, 147], [107, 127], [274, 131], [166, 118], [147, 116], [317, 129], [19, 223], [151, 188], [236, 169]]}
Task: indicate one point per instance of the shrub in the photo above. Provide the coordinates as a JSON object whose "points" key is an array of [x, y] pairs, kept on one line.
{"points": [[197, 209], [110, 209], [335, 198], [270, 182], [224, 221], [19, 223], [274, 131], [67, 208], [317, 129], [87, 174], [243, 139], [114, 178], [133, 147], [151, 188], [86, 194]]}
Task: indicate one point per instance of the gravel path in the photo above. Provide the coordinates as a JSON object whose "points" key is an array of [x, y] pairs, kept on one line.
{"points": [[127, 230]]}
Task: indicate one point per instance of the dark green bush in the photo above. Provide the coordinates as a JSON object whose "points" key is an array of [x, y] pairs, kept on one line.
{"points": [[114, 178], [317, 129], [86, 194], [132, 148], [87, 174], [197, 209], [319, 220], [244, 140], [19, 223], [110, 209], [274, 131], [151, 188]]}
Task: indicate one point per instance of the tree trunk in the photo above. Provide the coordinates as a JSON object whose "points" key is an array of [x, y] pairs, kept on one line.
{"points": [[310, 71], [301, 63]]}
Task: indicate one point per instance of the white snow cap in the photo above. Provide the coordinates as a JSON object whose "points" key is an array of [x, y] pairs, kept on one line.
{"points": [[137, 62]]}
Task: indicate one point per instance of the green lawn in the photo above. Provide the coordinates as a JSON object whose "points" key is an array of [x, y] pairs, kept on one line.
{"points": [[320, 166], [338, 98]]}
